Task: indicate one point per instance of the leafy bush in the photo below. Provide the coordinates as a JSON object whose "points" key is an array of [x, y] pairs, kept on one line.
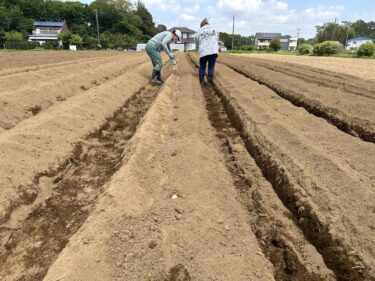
{"points": [[327, 48], [13, 36], [366, 49], [65, 39], [50, 45], [275, 44], [305, 49], [76, 39], [247, 48]]}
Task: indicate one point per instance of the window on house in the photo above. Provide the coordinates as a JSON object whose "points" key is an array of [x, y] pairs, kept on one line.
{"points": [[184, 35]]}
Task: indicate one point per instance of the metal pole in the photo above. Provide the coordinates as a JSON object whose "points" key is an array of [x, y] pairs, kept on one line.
{"points": [[298, 30], [97, 26], [334, 30], [347, 38], [233, 34]]}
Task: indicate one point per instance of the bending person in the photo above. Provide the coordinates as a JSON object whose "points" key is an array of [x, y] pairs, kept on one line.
{"points": [[208, 44], [154, 46]]}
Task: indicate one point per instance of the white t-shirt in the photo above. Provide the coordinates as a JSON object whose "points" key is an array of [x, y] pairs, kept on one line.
{"points": [[207, 38]]}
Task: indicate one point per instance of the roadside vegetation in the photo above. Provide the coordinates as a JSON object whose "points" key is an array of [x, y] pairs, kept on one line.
{"points": [[122, 23], [330, 40]]}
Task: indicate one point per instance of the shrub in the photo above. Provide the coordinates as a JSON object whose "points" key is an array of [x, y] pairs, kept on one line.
{"points": [[305, 49], [366, 49], [247, 48], [13, 36], [275, 44], [327, 48], [76, 39], [50, 45]]}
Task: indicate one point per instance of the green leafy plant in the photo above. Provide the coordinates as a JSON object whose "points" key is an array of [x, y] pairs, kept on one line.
{"points": [[13, 36], [305, 49], [366, 49], [275, 44], [327, 48]]}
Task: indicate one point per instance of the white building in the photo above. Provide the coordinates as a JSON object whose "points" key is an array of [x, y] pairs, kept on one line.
{"points": [[188, 39], [263, 40], [47, 31], [355, 43]]}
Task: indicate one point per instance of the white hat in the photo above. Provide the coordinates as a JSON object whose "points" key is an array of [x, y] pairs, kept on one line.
{"points": [[179, 34]]}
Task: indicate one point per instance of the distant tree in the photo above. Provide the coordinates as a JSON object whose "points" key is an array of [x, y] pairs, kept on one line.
{"points": [[65, 38], [301, 41], [13, 36], [275, 44], [146, 24], [227, 39], [335, 32], [76, 39], [311, 41], [361, 28], [161, 28]]}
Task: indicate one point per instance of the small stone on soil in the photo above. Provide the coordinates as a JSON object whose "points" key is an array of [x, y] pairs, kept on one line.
{"points": [[152, 244]]}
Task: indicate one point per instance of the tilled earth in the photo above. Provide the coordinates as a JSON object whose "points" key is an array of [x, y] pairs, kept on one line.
{"points": [[269, 174]]}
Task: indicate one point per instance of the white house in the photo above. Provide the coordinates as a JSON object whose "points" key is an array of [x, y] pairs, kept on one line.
{"points": [[47, 31], [188, 38], [263, 40], [355, 43]]}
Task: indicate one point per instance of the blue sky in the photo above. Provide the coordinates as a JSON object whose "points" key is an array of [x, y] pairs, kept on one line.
{"points": [[252, 16]]}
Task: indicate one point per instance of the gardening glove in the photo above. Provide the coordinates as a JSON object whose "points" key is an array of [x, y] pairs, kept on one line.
{"points": [[170, 55]]}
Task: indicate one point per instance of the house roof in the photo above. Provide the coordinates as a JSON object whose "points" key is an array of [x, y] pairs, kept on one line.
{"points": [[265, 35], [361, 39], [182, 29], [49, 23]]}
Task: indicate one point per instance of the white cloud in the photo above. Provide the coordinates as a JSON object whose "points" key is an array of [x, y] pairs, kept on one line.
{"points": [[192, 10], [239, 6], [323, 12], [187, 17]]}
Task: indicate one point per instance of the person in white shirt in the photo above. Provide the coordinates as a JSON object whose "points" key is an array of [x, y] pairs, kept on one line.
{"points": [[208, 45]]}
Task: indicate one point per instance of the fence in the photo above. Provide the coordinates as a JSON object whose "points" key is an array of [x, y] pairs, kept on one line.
{"points": [[20, 45]]}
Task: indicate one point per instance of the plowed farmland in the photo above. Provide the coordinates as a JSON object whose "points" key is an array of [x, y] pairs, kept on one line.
{"points": [[269, 174]]}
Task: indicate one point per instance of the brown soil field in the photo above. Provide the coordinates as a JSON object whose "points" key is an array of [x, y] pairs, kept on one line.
{"points": [[345, 101], [11, 62], [362, 68], [243, 180]]}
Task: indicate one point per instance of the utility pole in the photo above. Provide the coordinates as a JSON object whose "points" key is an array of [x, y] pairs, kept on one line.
{"points": [[334, 30], [233, 34], [347, 37], [298, 30], [97, 27]]}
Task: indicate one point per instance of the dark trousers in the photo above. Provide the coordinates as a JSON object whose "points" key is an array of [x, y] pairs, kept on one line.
{"points": [[211, 60]]}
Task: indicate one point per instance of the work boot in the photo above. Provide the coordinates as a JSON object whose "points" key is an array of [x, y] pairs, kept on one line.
{"points": [[155, 78], [210, 80], [201, 79], [159, 76]]}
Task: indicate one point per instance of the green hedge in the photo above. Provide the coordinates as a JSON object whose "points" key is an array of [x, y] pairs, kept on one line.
{"points": [[327, 48], [305, 49], [367, 49]]}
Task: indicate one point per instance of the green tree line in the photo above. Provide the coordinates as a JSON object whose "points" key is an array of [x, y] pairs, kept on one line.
{"points": [[327, 32], [345, 30], [122, 23]]}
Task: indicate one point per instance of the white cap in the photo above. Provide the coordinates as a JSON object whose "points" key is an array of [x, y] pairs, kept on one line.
{"points": [[179, 34]]}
